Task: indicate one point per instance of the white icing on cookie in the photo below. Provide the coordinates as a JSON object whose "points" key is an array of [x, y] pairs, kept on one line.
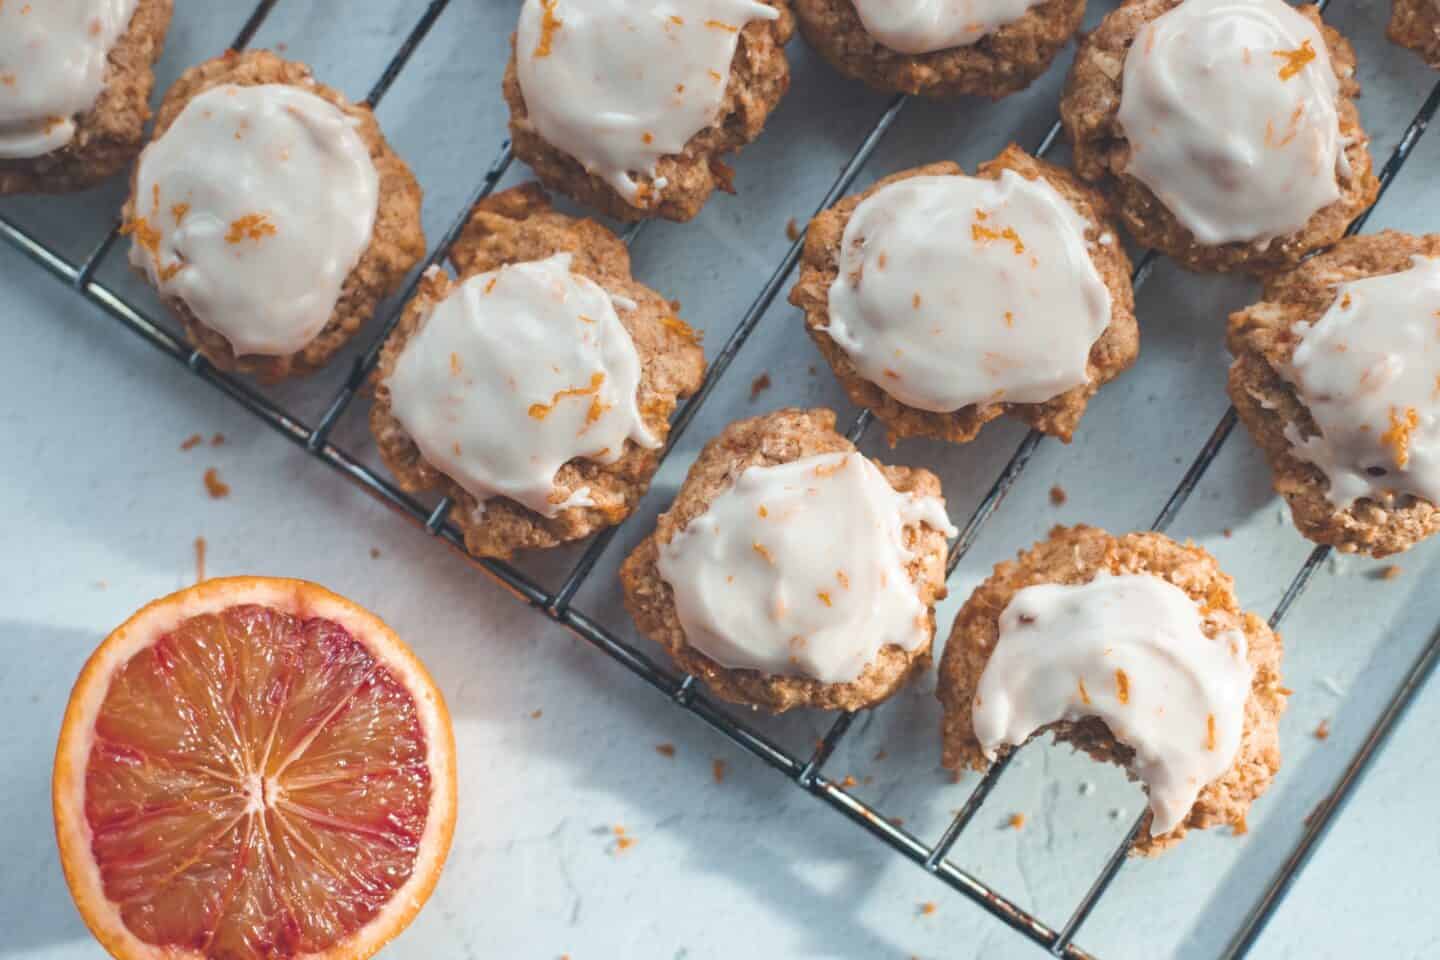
{"points": [[800, 569], [617, 84], [1368, 371], [924, 26], [1129, 650], [253, 208], [52, 68], [516, 372], [1230, 110], [957, 290]]}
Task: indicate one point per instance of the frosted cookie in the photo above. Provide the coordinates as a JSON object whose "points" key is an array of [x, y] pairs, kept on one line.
{"points": [[1416, 24], [942, 301], [270, 214], [1337, 377], [536, 390], [75, 79], [791, 570], [1225, 130], [939, 48], [1133, 649], [630, 106]]}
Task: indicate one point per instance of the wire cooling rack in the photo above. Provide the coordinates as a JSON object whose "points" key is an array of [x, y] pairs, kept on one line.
{"points": [[683, 690]]}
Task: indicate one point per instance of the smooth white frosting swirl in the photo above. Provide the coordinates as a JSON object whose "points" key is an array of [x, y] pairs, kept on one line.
{"points": [[1230, 109], [52, 68], [617, 84], [924, 26], [1368, 371], [516, 372], [957, 290], [800, 569], [253, 208], [1129, 650]]}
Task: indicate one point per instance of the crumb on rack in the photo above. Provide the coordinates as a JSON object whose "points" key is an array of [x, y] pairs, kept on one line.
{"points": [[1389, 572], [880, 754], [623, 841], [1016, 821], [374, 553], [717, 770], [192, 441], [896, 821], [1227, 533], [217, 488], [812, 371], [200, 559], [759, 385], [101, 584], [848, 782], [1240, 827], [665, 749], [927, 908], [536, 714], [1322, 732], [1058, 496], [792, 230]]}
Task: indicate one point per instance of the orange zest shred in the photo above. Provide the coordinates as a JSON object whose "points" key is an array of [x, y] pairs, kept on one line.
{"points": [[686, 332], [540, 411], [549, 24], [915, 301], [665, 749], [760, 548], [844, 580], [217, 488], [1009, 319], [178, 211], [1122, 686], [167, 272], [678, 21], [983, 234], [721, 25], [824, 598], [927, 908], [762, 511], [145, 235], [252, 226], [1017, 821], [1210, 731], [1397, 438], [1295, 60], [717, 770], [455, 364], [1084, 694]]}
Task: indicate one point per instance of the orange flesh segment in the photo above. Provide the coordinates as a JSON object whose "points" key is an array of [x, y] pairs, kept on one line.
{"points": [[257, 787]]}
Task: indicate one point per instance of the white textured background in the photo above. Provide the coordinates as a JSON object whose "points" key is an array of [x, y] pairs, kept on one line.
{"points": [[99, 509]]}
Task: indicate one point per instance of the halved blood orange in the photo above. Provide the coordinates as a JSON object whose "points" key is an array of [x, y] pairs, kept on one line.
{"points": [[253, 768]]}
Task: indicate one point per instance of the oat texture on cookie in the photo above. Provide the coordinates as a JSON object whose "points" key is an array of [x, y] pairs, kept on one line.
{"points": [[1134, 650], [1225, 130], [1337, 375], [52, 69], [943, 300], [628, 106], [262, 266], [514, 373], [791, 570]]}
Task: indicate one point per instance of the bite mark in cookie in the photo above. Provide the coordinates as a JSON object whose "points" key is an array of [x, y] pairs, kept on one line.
{"points": [[1085, 635], [793, 571], [944, 300]]}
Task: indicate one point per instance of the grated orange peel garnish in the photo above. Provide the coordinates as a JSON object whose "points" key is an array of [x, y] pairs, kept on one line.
{"points": [[1295, 60]]}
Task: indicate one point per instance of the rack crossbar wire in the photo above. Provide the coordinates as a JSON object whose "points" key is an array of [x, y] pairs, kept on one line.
{"points": [[683, 690]]}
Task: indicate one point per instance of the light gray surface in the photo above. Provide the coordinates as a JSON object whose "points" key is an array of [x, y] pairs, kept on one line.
{"points": [[100, 510]]}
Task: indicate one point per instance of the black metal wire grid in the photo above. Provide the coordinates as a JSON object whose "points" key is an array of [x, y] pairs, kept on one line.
{"points": [[683, 690]]}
